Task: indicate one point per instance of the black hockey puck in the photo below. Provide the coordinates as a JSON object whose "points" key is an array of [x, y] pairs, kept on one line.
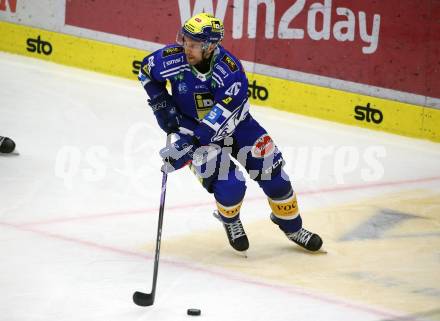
{"points": [[193, 312], [7, 145]]}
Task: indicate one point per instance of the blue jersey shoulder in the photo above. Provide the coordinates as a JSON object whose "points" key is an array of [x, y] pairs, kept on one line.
{"points": [[165, 62], [170, 57], [226, 64]]}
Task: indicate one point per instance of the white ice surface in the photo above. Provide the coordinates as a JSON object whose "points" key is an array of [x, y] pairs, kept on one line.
{"points": [[78, 203]]}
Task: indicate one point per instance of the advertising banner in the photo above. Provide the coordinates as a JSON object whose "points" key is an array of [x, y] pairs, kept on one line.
{"points": [[373, 64], [392, 44]]}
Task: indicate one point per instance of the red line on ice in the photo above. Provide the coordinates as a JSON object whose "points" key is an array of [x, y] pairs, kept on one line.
{"points": [[211, 203], [215, 272], [27, 227]]}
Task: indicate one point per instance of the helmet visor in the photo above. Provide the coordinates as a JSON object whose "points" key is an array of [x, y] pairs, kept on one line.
{"points": [[189, 42]]}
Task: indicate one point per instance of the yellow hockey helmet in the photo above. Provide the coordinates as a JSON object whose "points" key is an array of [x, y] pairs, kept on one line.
{"points": [[204, 27]]}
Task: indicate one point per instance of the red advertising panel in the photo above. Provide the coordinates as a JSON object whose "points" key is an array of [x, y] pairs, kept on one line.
{"points": [[11, 3], [392, 44]]}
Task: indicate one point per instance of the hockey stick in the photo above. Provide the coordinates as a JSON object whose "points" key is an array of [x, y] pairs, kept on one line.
{"points": [[147, 299]]}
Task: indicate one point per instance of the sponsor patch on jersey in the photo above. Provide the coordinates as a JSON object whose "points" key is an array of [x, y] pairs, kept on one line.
{"points": [[204, 102], [221, 70], [172, 62], [263, 147], [171, 51], [230, 63], [213, 115]]}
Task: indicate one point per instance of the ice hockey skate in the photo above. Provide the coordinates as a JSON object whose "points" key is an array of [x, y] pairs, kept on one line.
{"points": [[306, 239], [236, 235]]}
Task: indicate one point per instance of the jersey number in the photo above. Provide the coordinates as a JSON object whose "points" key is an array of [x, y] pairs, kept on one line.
{"points": [[234, 89]]}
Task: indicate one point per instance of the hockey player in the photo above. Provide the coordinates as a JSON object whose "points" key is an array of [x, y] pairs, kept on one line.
{"points": [[7, 145], [208, 106]]}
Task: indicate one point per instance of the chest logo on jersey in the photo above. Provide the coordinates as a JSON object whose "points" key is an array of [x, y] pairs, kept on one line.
{"points": [[230, 63], [171, 51], [183, 88], [204, 103]]}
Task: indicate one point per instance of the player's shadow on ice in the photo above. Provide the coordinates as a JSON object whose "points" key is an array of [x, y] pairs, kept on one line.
{"points": [[13, 154]]}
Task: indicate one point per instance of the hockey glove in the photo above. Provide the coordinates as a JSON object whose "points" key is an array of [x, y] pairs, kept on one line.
{"points": [[178, 154], [165, 111]]}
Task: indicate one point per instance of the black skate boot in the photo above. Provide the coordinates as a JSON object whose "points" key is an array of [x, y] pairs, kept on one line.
{"points": [[236, 235], [306, 239]]}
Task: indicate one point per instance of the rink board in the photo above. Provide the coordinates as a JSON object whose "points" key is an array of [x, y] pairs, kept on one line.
{"points": [[310, 100]]}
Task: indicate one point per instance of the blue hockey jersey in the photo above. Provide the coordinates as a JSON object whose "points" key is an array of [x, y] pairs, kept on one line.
{"points": [[216, 101]]}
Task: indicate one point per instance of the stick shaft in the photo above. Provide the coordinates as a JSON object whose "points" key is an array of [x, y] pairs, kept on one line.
{"points": [[159, 227]]}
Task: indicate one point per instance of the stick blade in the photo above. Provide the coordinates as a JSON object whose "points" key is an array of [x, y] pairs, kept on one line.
{"points": [[143, 299]]}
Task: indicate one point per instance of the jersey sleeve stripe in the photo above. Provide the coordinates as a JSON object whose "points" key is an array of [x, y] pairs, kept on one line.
{"points": [[174, 72], [174, 68], [217, 79]]}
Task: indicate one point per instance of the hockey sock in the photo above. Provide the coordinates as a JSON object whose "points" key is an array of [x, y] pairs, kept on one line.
{"points": [[285, 212], [229, 214]]}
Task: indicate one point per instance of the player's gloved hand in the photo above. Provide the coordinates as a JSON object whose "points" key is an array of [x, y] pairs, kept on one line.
{"points": [[166, 113], [178, 154]]}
